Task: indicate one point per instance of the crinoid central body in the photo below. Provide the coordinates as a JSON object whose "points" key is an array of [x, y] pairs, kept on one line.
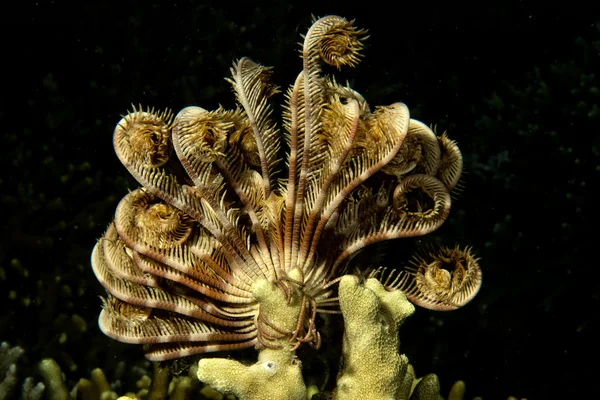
{"points": [[225, 246]]}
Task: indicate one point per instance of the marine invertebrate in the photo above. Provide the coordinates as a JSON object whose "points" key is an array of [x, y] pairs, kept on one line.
{"points": [[372, 367], [277, 367], [9, 377], [443, 279], [192, 256], [8, 369]]}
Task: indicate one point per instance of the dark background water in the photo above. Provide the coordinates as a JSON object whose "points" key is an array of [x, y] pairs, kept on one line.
{"points": [[516, 84]]}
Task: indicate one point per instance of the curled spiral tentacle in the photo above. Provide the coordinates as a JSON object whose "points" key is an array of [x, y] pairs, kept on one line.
{"points": [[336, 40], [442, 280], [200, 135], [446, 279], [243, 140], [166, 224], [420, 152], [142, 218], [144, 137], [125, 312], [423, 200]]}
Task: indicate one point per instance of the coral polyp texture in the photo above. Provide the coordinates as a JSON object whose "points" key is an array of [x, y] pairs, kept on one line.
{"points": [[243, 228]]}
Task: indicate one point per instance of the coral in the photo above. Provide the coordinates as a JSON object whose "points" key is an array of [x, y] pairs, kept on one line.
{"points": [[157, 385], [8, 369], [276, 375], [372, 367], [96, 387], [9, 356], [52, 376], [277, 369]]}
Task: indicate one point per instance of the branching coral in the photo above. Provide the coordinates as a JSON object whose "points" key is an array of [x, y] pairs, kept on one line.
{"points": [[219, 251], [8, 369], [277, 369], [372, 367], [9, 380]]}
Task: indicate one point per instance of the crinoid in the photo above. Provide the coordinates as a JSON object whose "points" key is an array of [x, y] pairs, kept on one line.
{"points": [[189, 255]]}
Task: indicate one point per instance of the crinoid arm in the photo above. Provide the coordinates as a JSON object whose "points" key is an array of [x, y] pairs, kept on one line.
{"points": [[226, 246], [442, 279]]}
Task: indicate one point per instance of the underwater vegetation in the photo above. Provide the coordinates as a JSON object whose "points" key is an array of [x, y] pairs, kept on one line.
{"points": [[228, 246]]}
